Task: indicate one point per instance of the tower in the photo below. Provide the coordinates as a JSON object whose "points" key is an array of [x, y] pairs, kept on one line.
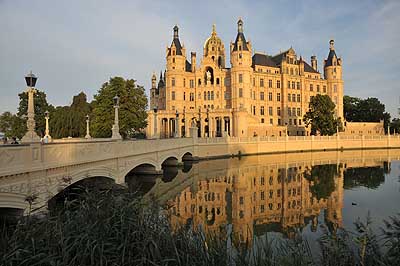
{"points": [[314, 64], [333, 75], [176, 64], [241, 76]]}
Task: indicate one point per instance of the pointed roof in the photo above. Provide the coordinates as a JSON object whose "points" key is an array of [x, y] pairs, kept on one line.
{"points": [[176, 42], [240, 37], [332, 53]]}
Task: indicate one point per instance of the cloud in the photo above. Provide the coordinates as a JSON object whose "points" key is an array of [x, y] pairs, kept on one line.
{"points": [[77, 45]]}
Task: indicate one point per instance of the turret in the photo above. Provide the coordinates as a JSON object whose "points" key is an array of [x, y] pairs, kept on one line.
{"points": [[153, 92], [333, 64], [314, 62], [176, 53], [333, 74], [193, 61]]}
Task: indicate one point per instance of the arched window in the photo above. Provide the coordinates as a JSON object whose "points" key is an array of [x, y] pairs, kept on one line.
{"points": [[217, 81]]}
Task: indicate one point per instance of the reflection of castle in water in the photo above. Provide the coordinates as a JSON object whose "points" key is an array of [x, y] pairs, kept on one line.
{"points": [[257, 199]]}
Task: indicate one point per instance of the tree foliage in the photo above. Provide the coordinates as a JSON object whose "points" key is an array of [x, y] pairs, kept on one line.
{"points": [[12, 125], [321, 116], [323, 180], [70, 121], [365, 110], [132, 112], [41, 106]]}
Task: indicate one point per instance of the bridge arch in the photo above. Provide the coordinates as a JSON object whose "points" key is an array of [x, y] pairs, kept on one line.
{"points": [[170, 161], [142, 178], [188, 156]]}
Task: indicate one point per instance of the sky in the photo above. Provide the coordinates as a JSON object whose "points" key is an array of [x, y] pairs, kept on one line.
{"points": [[76, 45]]}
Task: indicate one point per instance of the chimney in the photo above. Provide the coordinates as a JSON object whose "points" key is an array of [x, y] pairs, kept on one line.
{"points": [[193, 61], [314, 63]]}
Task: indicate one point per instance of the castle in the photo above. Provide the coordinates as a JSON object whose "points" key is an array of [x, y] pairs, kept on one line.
{"points": [[259, 95]]}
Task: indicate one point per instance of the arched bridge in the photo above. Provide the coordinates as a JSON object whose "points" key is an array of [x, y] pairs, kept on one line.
{"points": [[53, 167]]}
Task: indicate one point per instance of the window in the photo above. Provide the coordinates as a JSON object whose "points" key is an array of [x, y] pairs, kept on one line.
{"points": [[294, 111], [261, 82], [271, 121], [262, 96], [184, 82], [270, 110], [212, 95], [191, 83], [298, 85], [298, 112], [293, 85], [254, 110], [289, 111], [199, 82], [262, 208], [293, 97], [173, 96], [240, 78], [298, 98], [184, 96], [317, 88], [334, 88], [240, 92], [291, 71], [241, 200], [288, 84], [217, 81], [262, 195], [173, 82], [262, 120], [191, 96], [311, 87], [324, 88], [270, 83], [278, 84], [262, 181], [269, 96], [254, 81], [208, 95], [278, 111], [278, 97], [289, 97], [262, 110]]}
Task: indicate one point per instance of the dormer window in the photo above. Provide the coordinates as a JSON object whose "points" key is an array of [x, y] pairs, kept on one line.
{"points": [[240, 48], [173, 52]]}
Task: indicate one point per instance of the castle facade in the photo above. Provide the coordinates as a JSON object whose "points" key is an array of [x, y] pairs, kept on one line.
{"points": [[258, 95]]}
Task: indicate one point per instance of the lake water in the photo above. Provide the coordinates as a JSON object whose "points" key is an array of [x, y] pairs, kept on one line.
{"points": [[278, 195]]}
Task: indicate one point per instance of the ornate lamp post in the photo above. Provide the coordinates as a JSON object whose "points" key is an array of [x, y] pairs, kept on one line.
{"points": [[30, 135], [87, 127], [115, 128], [47, 131]]}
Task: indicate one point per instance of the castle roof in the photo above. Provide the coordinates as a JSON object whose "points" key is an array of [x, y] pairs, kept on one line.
{"points": [[188, 66], [176, 42], [330, 57], [262, 60], [240, 37], [308, 68]]}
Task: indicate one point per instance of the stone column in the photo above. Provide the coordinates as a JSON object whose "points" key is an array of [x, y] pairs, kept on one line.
{"points": [[30, 135], [177, 132], [87, 128], [155, 125], [115, 128]]}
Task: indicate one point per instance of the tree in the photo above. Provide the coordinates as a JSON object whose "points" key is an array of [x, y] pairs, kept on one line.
{"points": [[321, 116], [132, 112], [322, 178], [70, 121], [395, 126], [365, 110], [12, 125], [41, 106]]}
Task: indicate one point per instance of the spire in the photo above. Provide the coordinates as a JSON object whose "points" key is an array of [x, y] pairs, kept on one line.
{"points": [[240, 25], [331, 45], [176, 29], [214, 32], [161, 75]]}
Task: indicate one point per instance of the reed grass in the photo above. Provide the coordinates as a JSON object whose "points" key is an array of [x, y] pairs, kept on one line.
{"points": [[107, 228]]}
